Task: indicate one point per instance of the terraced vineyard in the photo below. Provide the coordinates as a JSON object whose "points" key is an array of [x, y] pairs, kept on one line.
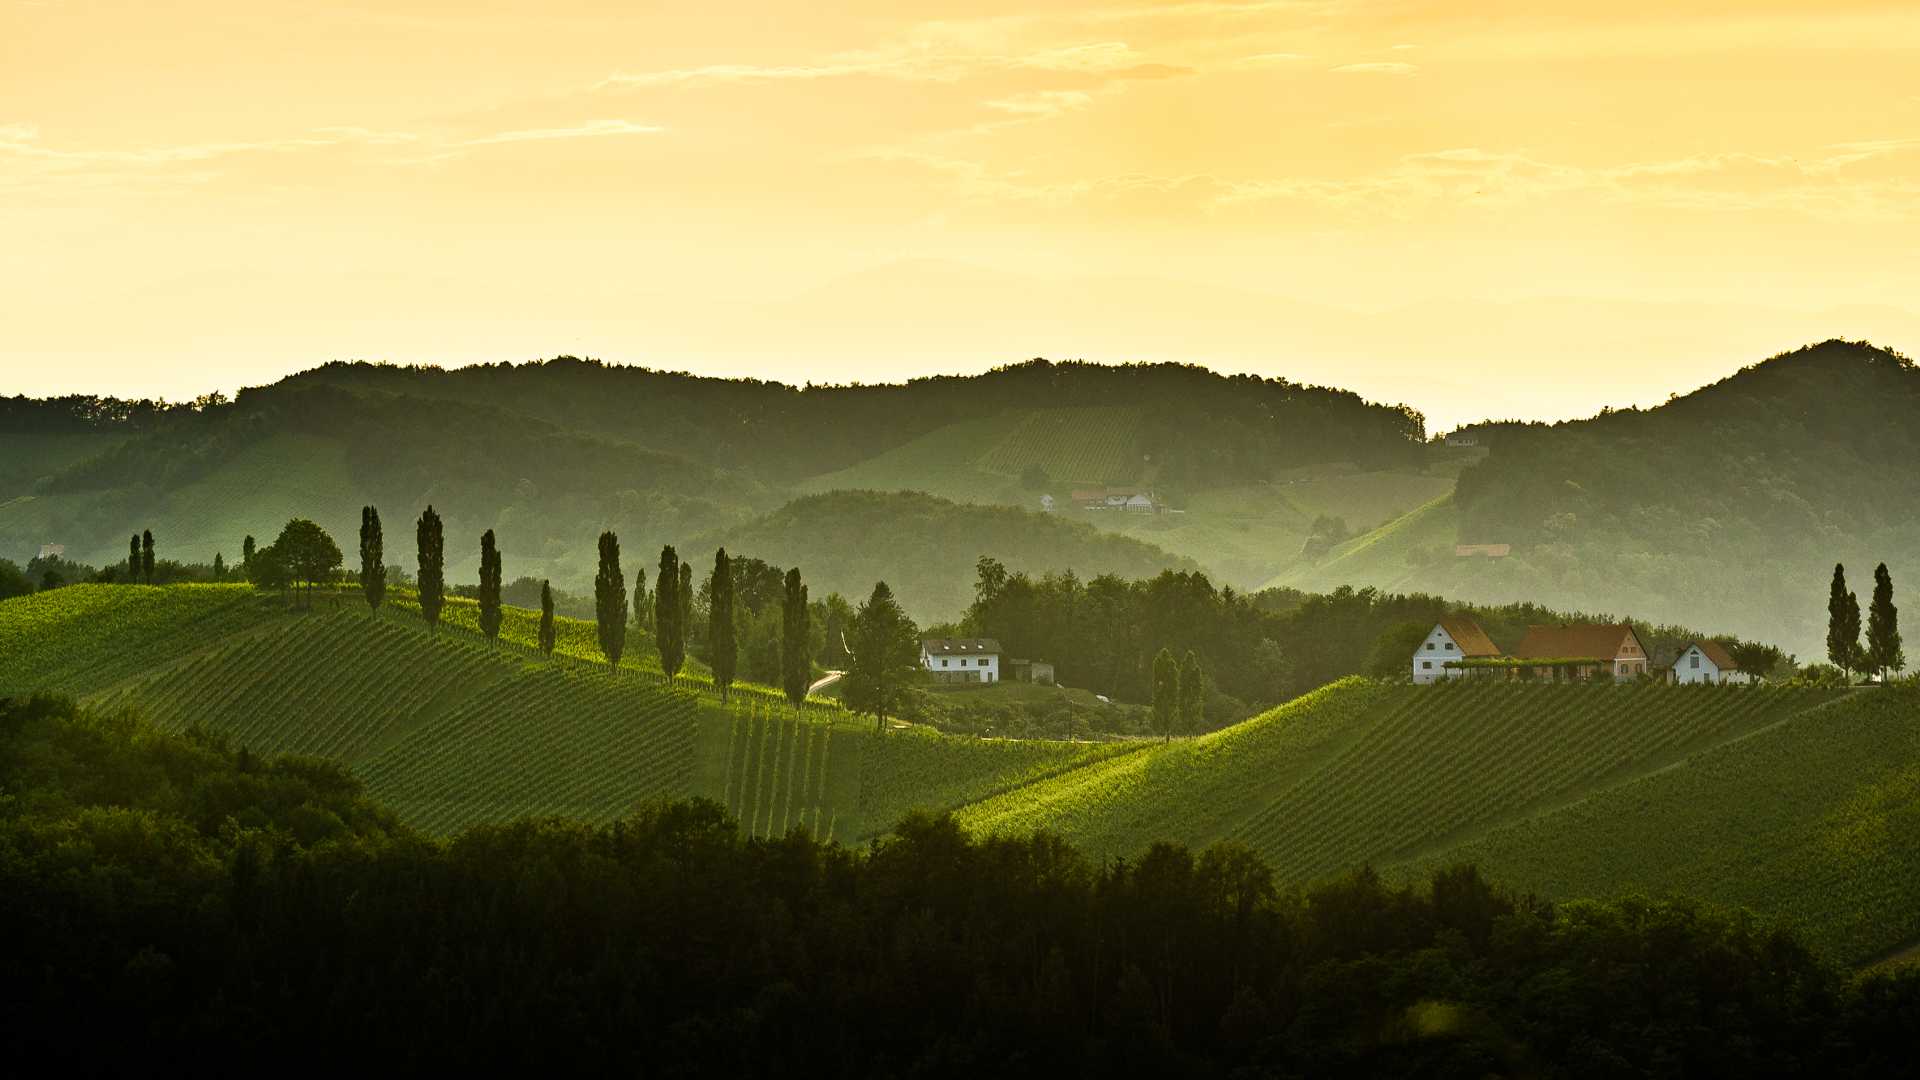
{"points": [[1816, 819], [1459, 756], [917, 768], [1193, 790], [544, 741], [1086, 444], [85, 638], [779, 773], [337, 684], [1803, 803]]}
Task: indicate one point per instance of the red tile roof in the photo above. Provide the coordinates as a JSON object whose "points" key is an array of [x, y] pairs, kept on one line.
{"points": [[1467, 634], [1600, 641]]}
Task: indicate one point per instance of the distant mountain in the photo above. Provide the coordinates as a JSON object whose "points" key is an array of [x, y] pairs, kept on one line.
{"points": [[1726, 507], [548, 454]]}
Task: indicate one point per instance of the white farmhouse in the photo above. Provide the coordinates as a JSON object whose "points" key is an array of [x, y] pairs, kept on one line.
{"points": [[961, 660], [1455, 637], [1706, 662]]}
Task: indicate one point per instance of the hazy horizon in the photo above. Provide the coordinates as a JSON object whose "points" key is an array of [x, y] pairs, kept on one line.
{"points": [[1589, 206]]}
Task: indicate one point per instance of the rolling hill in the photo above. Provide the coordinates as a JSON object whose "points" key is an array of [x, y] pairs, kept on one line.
{"points": [[1726, 507], [548, 454], [1797, 802]]}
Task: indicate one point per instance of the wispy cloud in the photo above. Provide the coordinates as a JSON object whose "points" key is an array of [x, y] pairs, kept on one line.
{"points": [[1378, 67], [594, 130]]}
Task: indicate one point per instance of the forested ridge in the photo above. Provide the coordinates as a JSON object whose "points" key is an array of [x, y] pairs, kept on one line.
{"points": [[210, 907], [1727, 500]]}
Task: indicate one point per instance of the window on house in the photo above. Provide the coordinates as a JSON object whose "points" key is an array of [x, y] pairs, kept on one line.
{"points": [[1449, 646], [1694, 660], [983, 661], [1426, 663], [1429, 646]]}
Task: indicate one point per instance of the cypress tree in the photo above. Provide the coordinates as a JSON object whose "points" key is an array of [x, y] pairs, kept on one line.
{"points": [[1193, 695], [373, 567], [246, 555], [433, 566], [133, 558], [667, 630], [1166, 692], [1843, 633], [146, 555], [796, 664], [683, 625], [1884, 653], [219, 567], [546, 618], [610, 601], [720, 643], [642, 602], [490, 588]]}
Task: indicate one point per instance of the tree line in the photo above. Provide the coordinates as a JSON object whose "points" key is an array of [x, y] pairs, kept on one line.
{"points": [[231, 907], [1882, 653]]}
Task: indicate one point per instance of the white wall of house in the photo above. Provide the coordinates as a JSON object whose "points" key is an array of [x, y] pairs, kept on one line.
{"points": [[1430, 659], [984, 667], [1694, 666]]}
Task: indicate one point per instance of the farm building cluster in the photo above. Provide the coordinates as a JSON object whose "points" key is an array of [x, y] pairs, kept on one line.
{"points": [[1457, 648], [978, 660]]}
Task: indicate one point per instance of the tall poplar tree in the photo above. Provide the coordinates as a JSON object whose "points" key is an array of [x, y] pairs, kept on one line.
{"points": [[642, 602], [373, 567], [1884, 653], [610, 601], [431, 542], [796, 662], [490, 588], [246, 556], [133, 558], [146, 555], [1166, 692], [683, 623], [666, 613], [546, 618], [720, 639], [219, 567], [1193, 694], [1843, 622]]}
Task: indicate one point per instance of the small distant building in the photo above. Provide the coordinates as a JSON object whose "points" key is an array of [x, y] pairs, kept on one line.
{"points": [[961, 660], [1046, 504], [1706, 662], [1453, 638], [1482, 551], [1584, 651], [1030, 671], [1463, 438], [1116, 499], [53, 551]]}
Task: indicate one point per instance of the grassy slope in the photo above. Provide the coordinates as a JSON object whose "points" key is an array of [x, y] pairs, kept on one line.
{"points": [[451, 731], [280, 477], [1800, 803], [1816, 818], [26, 458]]}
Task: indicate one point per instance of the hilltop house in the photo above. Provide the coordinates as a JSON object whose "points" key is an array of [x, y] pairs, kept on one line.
{"points": [[1584, 651], [53, 551], [961, 660], [1455, 637], [1114, 498], [1706, 662], [1033, 671]]}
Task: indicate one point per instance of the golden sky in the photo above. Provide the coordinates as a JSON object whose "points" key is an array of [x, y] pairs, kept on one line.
{"points": [[1477, 208]]}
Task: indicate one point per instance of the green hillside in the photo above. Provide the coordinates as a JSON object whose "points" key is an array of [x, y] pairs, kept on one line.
{"points": [[450, 731], [1796, 802], [925, 548], [1816, 819], [1725, 507]]}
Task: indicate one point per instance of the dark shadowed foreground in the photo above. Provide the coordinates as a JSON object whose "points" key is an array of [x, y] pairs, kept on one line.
{"points": [[174, 905]]}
